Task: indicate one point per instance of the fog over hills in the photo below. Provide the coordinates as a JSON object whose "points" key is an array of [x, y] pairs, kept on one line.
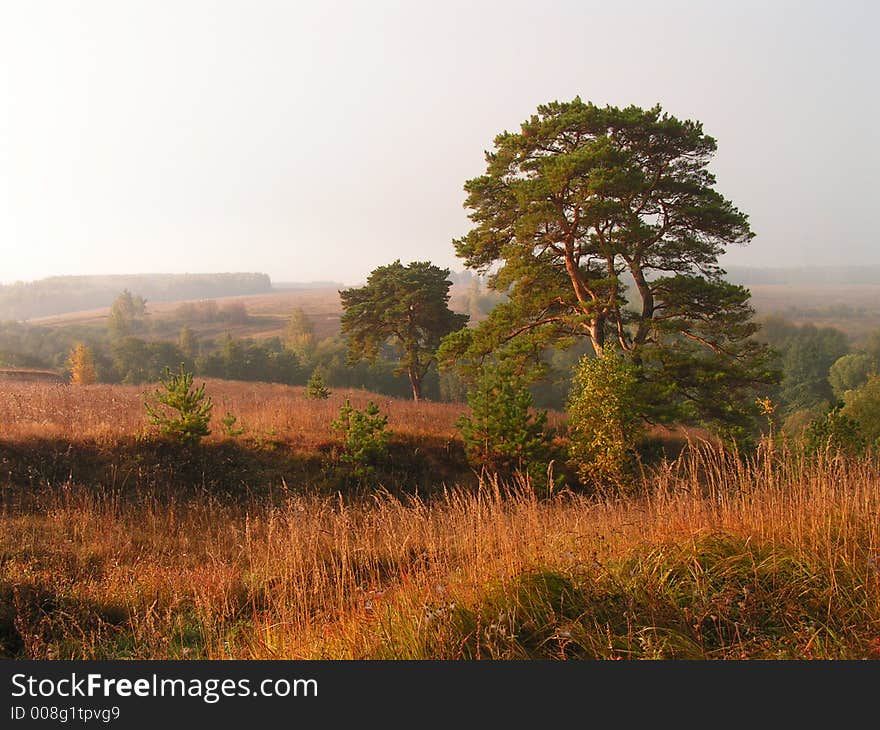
{"points": [[799, 275], [63, 294]]}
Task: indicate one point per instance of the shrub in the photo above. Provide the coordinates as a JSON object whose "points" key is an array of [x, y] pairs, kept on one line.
{"points": [[849, 372], [81, 363], [602, 420], [502, 433], [187, 410], [833, 431], [228, 424], [316, 388], [365, 440], [862, 405]]}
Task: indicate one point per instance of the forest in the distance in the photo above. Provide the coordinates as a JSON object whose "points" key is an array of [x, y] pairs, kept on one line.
{"points": [[61, 294]]}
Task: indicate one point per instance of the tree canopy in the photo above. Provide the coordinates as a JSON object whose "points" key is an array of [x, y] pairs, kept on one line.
{"points": [[806, 355], [605, 223], [126, 313], [300, 334], [82, 365], [405, 306]]}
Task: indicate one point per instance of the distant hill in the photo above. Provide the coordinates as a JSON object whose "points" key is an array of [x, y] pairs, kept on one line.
{"points": [[62, 294], [308, 285], [801, 275]]}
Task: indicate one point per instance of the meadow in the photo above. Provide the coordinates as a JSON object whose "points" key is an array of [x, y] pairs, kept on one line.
{"points": [[113, 545], [268, 314], [851, 307]]}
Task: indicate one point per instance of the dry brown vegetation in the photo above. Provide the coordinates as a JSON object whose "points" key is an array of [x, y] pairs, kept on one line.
{"points": [[269, 314], [282, 413], [714, 556]]}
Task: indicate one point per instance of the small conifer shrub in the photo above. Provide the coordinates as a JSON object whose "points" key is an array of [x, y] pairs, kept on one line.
{"points": [[502, 433], [834, 431], [365, 440], [180, 411], [229, 425], [316, 388]]}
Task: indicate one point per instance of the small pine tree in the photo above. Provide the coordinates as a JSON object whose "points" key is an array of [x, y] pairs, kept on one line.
{"points": [[229, 425], [190, 409], [365, 440], [501, 433], [81, 363], [316, 388]]}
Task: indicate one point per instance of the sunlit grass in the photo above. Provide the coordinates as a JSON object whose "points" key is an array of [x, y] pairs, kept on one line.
{"points": [[718, 556], [108, 413]]}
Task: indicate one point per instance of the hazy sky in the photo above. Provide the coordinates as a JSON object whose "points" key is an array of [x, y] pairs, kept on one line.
{"points": [[320, 142]]}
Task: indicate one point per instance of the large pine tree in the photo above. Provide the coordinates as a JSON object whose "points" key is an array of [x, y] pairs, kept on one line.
{"points": [[604, 223]]}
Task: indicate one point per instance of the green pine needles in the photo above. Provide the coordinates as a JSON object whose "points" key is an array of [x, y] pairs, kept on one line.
{"points": [[229, 425], [187, 410], [365, 440], [502, 434], [834, 431], [316, 388]]}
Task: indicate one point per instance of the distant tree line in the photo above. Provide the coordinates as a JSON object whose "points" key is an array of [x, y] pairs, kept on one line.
{"points": [[60, 294], [828, 388], [133, 348]]}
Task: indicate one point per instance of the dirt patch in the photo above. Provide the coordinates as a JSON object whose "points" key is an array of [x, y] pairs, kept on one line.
{"points": [[19, 375]]}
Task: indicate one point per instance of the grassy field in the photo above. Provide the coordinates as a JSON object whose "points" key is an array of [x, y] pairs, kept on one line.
{"points": [[268, 313], [851, 308], [104, 553], [115, 413]]}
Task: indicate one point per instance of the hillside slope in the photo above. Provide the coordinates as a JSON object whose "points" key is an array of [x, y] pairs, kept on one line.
{"points": [[61, 294]]}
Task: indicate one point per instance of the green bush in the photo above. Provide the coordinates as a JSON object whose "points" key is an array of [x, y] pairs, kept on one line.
{"points": [[502, 433], [365, 440], [834, 431], [603, 423], [229, 425], [187, 410], [862, 405], [849, 372]]}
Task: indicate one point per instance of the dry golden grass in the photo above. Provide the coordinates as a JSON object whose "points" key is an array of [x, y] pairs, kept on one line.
{"points": [[105, 413], [720, 557], [269, 314], [714, 555]]}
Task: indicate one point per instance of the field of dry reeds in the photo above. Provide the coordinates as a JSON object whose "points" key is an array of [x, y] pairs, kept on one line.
{"points": [[714, 556], [281, 412]]}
